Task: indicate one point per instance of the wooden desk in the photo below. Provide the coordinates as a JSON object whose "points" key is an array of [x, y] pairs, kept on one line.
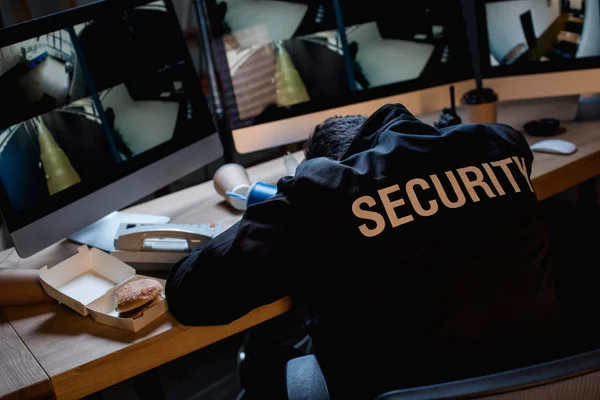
{"points": [[567, 36], [81, 357], [553, 173], [21, 377]]}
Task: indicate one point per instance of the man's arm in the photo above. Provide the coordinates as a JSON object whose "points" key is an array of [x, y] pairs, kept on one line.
{"points": [[20, 287], [239, 270]]}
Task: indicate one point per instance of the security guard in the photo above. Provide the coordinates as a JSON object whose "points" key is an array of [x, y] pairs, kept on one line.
{"points": [[420, 253]]}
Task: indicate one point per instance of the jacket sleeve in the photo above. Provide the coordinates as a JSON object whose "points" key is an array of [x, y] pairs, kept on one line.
{"points": [[243, 268]]}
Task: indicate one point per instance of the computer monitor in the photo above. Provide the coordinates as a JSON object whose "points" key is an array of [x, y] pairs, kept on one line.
{"points": [[540, 48], [285, 66], [101, 106]]}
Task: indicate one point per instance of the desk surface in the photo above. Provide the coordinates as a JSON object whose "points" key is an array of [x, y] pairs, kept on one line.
{"points": [[553, 173], [20, 374], [567, 36], [81, 357]]}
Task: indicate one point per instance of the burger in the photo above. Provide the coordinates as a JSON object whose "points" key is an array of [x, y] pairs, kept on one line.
{"points": [[133, 298]]}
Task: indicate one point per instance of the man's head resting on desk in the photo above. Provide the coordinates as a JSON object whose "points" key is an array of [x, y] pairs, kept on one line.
{"points": [[333, 137]]}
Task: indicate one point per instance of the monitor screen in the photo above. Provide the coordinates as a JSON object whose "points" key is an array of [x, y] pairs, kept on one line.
{"points": [[278, 59], [90, 96], [541, 35]]}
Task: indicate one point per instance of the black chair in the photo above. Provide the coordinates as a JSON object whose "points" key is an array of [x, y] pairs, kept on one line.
{"points": [[574, 378], [574, 27], [563, 50], [305, 380]]}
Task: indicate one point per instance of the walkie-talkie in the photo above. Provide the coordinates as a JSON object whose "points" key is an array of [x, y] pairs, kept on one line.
{"points": [[449, 116]]}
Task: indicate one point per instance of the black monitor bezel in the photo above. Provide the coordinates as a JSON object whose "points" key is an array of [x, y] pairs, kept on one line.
{"points": [[489, 71], [17, 219], [357, 97]]}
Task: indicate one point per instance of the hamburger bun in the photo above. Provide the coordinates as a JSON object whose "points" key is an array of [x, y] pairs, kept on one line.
{"points": [[133, 297]]}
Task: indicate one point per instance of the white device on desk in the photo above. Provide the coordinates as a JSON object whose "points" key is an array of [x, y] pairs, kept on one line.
{"points": [[554, 146], [159, 246]]}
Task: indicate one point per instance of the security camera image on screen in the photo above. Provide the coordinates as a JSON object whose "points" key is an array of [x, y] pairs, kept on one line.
{"points": [[425, 43], [278, 54], [51, 152], [281, 73], [542, 30], [129, 44], [143, 116], [38, 75], [142, 97]]}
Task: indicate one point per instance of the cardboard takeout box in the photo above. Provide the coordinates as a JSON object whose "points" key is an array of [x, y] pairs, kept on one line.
{"points": [[87, 282]]}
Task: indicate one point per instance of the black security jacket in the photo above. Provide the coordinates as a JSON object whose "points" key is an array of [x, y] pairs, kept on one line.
{"points": [[422, 256]]}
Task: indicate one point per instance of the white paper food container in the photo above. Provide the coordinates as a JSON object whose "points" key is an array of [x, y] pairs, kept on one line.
{"points": [[86, 283]]}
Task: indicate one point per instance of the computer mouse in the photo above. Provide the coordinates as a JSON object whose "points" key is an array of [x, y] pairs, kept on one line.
{"points": [[554, 146]]}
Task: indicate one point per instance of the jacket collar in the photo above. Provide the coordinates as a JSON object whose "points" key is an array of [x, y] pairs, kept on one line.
{"points": [[379, 121]]}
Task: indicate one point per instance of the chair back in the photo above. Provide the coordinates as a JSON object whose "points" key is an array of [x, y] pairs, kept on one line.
{"points": [[574, 378]]}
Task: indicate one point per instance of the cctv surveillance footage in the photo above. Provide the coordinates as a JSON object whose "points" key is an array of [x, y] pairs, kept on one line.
{"points": [[128, 44], [143, 116], [524, 31], [426, 43], [38, 75], [130, 91], [276, 55], [51, 152]]}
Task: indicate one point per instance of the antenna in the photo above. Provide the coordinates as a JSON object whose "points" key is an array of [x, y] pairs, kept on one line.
{"points": [[452, 101]]}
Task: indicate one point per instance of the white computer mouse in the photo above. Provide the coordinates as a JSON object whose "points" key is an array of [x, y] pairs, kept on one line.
{"points": [[554, 146]]}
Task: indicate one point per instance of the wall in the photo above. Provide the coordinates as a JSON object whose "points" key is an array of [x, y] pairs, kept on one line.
{"points": [[576, 4], [142, 124], [12, 12], [590, 37], [79, 87], [9, 57], [376, 52], [504, 22], [281, 19], [39, 8], [118, 98]]}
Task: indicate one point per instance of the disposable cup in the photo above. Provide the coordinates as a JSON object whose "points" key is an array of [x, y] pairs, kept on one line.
{"points": [[228, 177]]}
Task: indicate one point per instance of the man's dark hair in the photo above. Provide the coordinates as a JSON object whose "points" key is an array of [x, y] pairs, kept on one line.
{"points": [[333, 137]]}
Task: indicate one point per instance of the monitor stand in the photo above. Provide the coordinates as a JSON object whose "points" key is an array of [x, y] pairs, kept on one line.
{"points": [[588, 108], [101, 234]]}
